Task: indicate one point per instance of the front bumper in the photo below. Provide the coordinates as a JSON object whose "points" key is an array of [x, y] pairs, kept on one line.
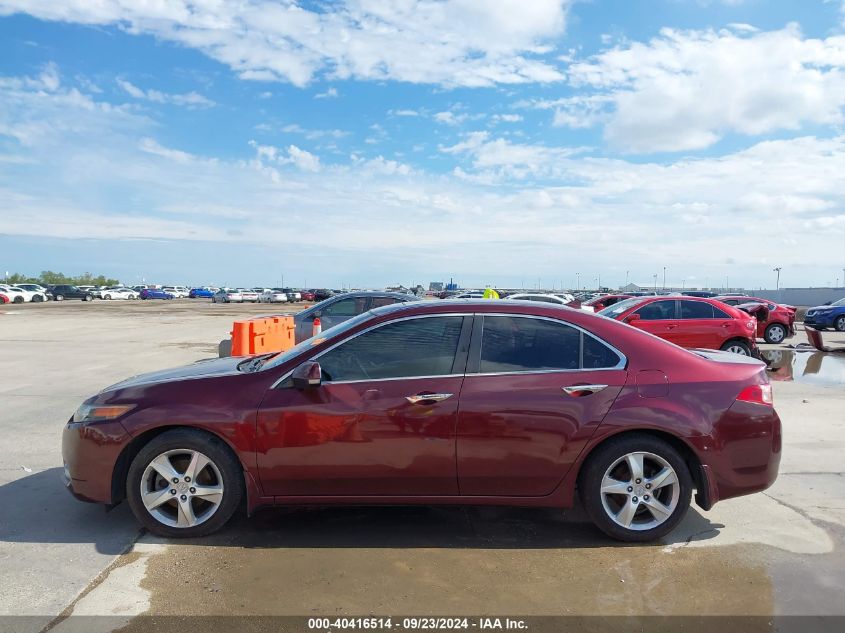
{"points": [[90, 453], [819, 320]]}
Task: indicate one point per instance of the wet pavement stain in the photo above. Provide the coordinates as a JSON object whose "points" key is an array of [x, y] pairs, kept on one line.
{"points": [[821, 368], [360, 561]]}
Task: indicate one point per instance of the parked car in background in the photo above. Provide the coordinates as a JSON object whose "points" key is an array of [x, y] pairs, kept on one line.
{"points": [[89, 289], [780, 322], [468, 295], [692, 322], [293, 295], [203, 292], [450, 402], [273, 295], [248, 295], [65, 291], [118, 292], [178, 292], [16, 294], [307, 295], [343, 307], [227, 295], [321, 294], [4, 298], [596, 304], [535, 296], [830, 315], [698, 293], [38, 288], [155, 293]]}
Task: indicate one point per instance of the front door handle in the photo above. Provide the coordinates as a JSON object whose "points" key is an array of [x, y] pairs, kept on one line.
{"points": [[579, 391], [428, 398]]}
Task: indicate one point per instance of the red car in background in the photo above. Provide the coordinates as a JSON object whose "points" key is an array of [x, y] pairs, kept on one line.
{"points": [[307, 295], [692, 322], [3, 299], [778, 326], [604, 301]]}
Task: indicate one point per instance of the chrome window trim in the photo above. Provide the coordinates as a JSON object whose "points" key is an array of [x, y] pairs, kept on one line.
{"points": [[369, 329], [623, 360]]}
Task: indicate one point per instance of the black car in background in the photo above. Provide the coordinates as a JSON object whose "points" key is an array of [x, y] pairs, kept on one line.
{"points": [[62, 292]]}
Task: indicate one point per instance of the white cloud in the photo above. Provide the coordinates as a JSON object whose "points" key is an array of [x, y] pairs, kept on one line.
{"points": [[189, 99], [506, 118], [453, 42], [450, 118], [381, 210], [331, 93], [295, 128], [685, 90], [404, 112]]}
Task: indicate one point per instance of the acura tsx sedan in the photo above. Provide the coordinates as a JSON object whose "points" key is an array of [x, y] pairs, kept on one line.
{"points": [[450, 402]]}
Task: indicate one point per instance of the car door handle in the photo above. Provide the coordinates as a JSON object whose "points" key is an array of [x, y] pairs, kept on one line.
{"points": [[671, 326], [579, 391], [428, 398]]}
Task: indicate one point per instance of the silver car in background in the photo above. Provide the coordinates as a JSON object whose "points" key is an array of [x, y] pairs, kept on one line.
{"points": [[339, 308]]}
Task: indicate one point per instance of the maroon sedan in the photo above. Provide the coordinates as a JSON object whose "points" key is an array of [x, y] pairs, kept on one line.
{"points": [[452, 402]]}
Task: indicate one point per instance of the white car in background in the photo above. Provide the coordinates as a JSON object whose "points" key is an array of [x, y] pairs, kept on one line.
{"points": [[17, 294], [178, 292], [119, 293], [248, 295], [538, 296], [34, 288], [227, 295], [273, 295]]}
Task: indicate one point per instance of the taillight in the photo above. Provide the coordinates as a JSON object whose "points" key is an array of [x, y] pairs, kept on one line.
{"points": [[758, 394]]}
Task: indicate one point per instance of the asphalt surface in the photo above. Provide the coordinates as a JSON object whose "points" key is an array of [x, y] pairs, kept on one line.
{"points": [[775, 553]]}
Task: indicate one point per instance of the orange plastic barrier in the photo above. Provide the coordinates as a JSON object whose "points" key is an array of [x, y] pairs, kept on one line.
{"points": [[262, 335]]}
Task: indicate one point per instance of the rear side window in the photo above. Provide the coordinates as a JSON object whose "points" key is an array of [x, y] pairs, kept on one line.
{"points": [[696, 310], [597, 355], [511, 344], [404, 349], [657, 311], [346, 307], [378, 302], [720, 314]]}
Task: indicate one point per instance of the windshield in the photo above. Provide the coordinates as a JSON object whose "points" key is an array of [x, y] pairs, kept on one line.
{"points": [[841, 302], [618, 308], [332, 332]]}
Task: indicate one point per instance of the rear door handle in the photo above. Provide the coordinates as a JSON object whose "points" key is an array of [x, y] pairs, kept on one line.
{"points": [[428, 398], [579, 391]]}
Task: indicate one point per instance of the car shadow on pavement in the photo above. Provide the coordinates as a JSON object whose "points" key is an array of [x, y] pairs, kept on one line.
{"points": [[41, 511], [37, 509]]}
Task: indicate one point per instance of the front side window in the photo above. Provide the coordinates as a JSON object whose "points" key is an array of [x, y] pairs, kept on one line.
{"points": [[657, 311], [513, 344], [379, 302], [403, 349]]}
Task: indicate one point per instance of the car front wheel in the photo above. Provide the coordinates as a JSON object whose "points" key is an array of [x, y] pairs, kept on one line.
{"points": [[184, 483], [839, 324], [775, 333], [635, 488]]}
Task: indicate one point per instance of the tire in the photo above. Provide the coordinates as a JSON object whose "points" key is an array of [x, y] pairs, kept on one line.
{"points": [[612, 461], [737, 347], [18, 299], [839, 324], [175, 448], [59, 298], [37, 299], [108, 297], [775, 333], [87, 298]]}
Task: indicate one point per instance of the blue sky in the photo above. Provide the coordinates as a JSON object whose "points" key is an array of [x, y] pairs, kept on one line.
{"points": [[373, 142]]}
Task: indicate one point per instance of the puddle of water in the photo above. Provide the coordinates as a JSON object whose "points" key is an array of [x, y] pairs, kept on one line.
{"points": [[819, 368]]}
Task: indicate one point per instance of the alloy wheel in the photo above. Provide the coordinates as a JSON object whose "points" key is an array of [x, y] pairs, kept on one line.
{"points": [[736, 349], [182, 488], [640, 491]]}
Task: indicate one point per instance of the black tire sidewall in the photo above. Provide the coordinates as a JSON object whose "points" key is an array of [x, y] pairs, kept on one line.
{"points": [[213, 448], [589, 484], [766, 334]]}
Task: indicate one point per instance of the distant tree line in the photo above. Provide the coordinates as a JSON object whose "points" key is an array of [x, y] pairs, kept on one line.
{"points": [[50, 278]]}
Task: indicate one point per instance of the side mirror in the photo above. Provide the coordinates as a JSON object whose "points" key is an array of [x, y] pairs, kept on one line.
{"points": [[631, 318], [827, 303], [307, 376]]}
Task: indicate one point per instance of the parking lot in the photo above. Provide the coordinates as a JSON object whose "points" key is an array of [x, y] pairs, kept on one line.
{"points": [[778, 553]]}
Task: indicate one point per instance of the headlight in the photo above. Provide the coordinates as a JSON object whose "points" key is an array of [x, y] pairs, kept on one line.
{"points": [[95, 413]]}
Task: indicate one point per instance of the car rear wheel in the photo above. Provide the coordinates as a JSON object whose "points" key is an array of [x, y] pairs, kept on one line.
{"points": [[107, 297], [839, 324], [59, 297], [18, 299], [635, 488], [37, 299], [775, 333], [184, 483], [737, 347]]}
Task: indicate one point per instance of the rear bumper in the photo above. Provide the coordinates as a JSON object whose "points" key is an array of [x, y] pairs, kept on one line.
{"points": [[749, 458]]}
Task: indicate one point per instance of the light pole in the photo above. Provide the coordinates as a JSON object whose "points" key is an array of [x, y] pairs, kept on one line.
{"points": [[777, 269], [683, 283], [577, 282], [655, 282], [664, 278]]}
